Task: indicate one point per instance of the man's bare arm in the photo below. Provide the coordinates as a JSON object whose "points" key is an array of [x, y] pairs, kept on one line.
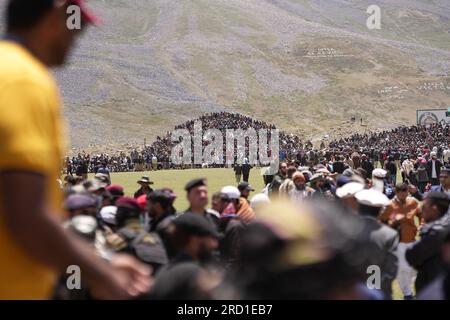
{"points": [[40, 234]]}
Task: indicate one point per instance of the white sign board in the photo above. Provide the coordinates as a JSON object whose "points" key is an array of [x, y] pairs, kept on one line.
{"points": [[430, 116]]}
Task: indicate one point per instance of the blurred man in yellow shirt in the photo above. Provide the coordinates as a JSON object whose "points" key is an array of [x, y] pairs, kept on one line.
{"points": [[34, 248]]}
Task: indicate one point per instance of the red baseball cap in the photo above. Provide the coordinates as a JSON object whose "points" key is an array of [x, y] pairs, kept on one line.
{"points": [[142, 201], [87, 14]]}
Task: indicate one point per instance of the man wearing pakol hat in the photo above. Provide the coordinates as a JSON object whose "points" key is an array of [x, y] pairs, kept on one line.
{"points": [[258, 201], [231, 226], [194, 240], [346, 194], [81, 204], [241, 205], [197, 195], [103, 178], [434, 169], [132, 238], [145, 188], [108, 217], [323, 187], [380, 184], [383, 239]]}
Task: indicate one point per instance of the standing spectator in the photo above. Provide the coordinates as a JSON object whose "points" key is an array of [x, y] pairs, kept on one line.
{"points": [[237, 172], [391, 168], [278, 179], [425, 254], [366, 165], [384, 239], [145, 188], [434, 169], [400, 214], [246, 167], [197, 195], [446, 156], [422, 175]]}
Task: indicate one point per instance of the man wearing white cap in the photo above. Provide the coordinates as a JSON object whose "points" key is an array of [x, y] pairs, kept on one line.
{"points": [[379, 182], [347, 192], [383, 239]]}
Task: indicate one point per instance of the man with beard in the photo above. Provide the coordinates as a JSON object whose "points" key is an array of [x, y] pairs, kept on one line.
{"points": [[278, 179], [434, 169], [301, 191], [194, 240]]}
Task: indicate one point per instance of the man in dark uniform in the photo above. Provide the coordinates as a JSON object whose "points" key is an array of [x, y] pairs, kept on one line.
{"points": [[145, 187], [237, 172], [246, 167], [194, 240], [197, 195], [132, 238]]}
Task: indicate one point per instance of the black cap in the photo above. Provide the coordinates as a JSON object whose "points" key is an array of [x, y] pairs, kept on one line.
{"points": [[245, 186], [160, 196], [195, 224], [195, 183]]}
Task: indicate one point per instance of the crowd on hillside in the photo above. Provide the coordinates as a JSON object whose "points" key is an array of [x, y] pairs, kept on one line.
{"points": [[414, 142], [158, 154]]}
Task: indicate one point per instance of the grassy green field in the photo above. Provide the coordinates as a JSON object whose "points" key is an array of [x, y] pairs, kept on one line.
{"points": [[177, 179]]}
